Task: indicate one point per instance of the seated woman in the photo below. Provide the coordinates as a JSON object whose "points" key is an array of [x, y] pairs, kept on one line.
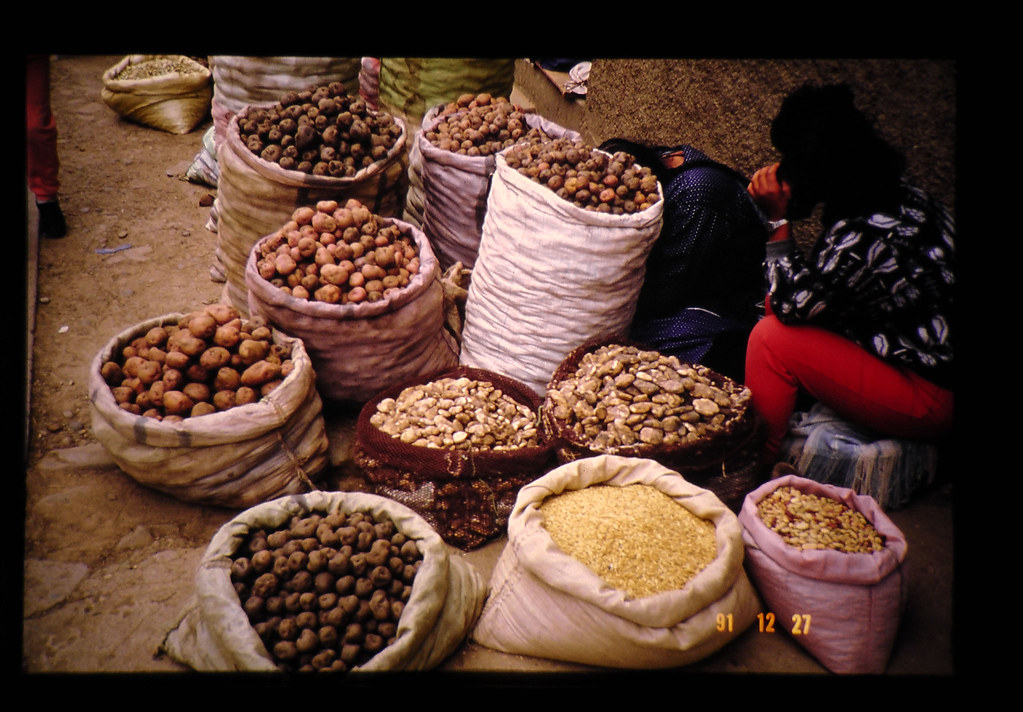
{"points": [[862, 324], [704, 275]]}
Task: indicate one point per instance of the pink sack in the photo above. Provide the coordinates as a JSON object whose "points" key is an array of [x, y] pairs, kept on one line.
{"points": [[843, 608]]}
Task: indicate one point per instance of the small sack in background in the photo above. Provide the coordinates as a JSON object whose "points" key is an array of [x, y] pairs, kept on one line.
{"points": [[172, 93]]}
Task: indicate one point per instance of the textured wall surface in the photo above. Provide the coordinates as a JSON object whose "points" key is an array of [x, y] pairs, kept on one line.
{"points": [[724, 107]]}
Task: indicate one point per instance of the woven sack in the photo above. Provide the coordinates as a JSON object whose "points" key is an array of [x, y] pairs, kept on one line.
{"points": [[255, 197], [233, 458], [727, 461], [544, 603], [848, 604], [409, 86], [466, 495], [214, 633], [360, 349], [455, 190], [241, 81], [549, 276], [173, 102]]}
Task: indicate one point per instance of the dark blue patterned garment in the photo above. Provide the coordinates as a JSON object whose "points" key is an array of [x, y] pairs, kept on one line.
{"points": [[884, 281], [704, 276]]}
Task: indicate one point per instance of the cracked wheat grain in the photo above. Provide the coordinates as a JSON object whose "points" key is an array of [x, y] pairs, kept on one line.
{"points": [[636, 538]]}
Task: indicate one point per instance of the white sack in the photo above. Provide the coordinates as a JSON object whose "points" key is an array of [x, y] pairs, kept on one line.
{"points": [[549, 277], [544, 603]]}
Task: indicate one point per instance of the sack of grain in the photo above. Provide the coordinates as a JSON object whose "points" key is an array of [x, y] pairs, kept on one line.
{"points": [[829, 565], [170, 92], [232, 458], [549, 276], [547, 603], [455, 447], [216, 634]]}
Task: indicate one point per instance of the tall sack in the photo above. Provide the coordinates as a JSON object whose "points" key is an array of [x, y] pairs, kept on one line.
{"points": [[256, 197], [234, 458], [549, 277], [544, 603], [360, 349], [214, 633], [241, 81], [409, 86], [455, 191], [172, 102]]}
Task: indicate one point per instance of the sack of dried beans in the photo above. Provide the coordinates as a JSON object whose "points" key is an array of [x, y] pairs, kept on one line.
{"points": [[455, 447], [828, 563], [618, 562], [612, 397]]}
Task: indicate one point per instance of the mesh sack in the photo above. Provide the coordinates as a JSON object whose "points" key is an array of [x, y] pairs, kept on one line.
{"points": [[466, 495]]}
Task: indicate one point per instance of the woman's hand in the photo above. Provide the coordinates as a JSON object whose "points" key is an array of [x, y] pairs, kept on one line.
{"points": [[769, 193]]}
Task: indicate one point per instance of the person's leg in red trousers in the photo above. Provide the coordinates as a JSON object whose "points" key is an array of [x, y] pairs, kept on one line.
{"points": [[782, 361], [41, 146]]}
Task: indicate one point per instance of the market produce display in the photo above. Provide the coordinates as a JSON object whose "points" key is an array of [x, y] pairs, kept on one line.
{"points": [[810, 521], [585, 176], [210, 361], [460, 413], [338, 254], [620, 396], [477, 125], [322, 131], [636, 538], [327, 591]]}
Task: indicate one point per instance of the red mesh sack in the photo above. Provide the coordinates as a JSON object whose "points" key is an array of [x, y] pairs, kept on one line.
{"points": [[465, 494], [725, 460]]}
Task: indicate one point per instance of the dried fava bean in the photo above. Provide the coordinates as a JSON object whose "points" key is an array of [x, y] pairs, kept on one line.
{"points": [[307, 601], [158, 67], [458, 413], [623, 396], [808, 521], [636, 538]]}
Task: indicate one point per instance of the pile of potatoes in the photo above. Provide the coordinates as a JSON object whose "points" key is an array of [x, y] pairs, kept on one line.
{"points": [[478, 125], [586, 177], [338, 254], [326, 592], [211, 360], [321, 131]]}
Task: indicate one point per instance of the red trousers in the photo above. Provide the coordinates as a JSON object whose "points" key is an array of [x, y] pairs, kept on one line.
{"points": [[783, 360], [41, 138]]}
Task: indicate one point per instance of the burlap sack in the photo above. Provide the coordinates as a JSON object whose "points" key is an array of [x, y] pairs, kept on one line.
{"points": [[233, 458], [214, 633], [544, 603], [847, 605], [255, 197], [172, 102]]}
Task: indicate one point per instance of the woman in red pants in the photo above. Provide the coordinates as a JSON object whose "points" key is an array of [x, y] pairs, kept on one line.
{"points": [[41, 146], [862, 323]]}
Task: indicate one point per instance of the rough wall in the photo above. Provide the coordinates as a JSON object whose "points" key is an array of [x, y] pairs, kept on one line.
{"points": [[724, 107]]}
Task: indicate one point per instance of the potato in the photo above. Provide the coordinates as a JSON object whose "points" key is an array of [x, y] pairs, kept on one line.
{"points": [[203, 325], [253, 350], [259, 373], [214, 358], [222, 313], [177, 360], [202, 408], [177, 403], [245, 395], [112, 373], [228, 334], [225, 400], [197, 391]]}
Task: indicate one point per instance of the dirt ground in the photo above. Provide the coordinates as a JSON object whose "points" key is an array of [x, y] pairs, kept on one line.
{"points": [[107, 561]]}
